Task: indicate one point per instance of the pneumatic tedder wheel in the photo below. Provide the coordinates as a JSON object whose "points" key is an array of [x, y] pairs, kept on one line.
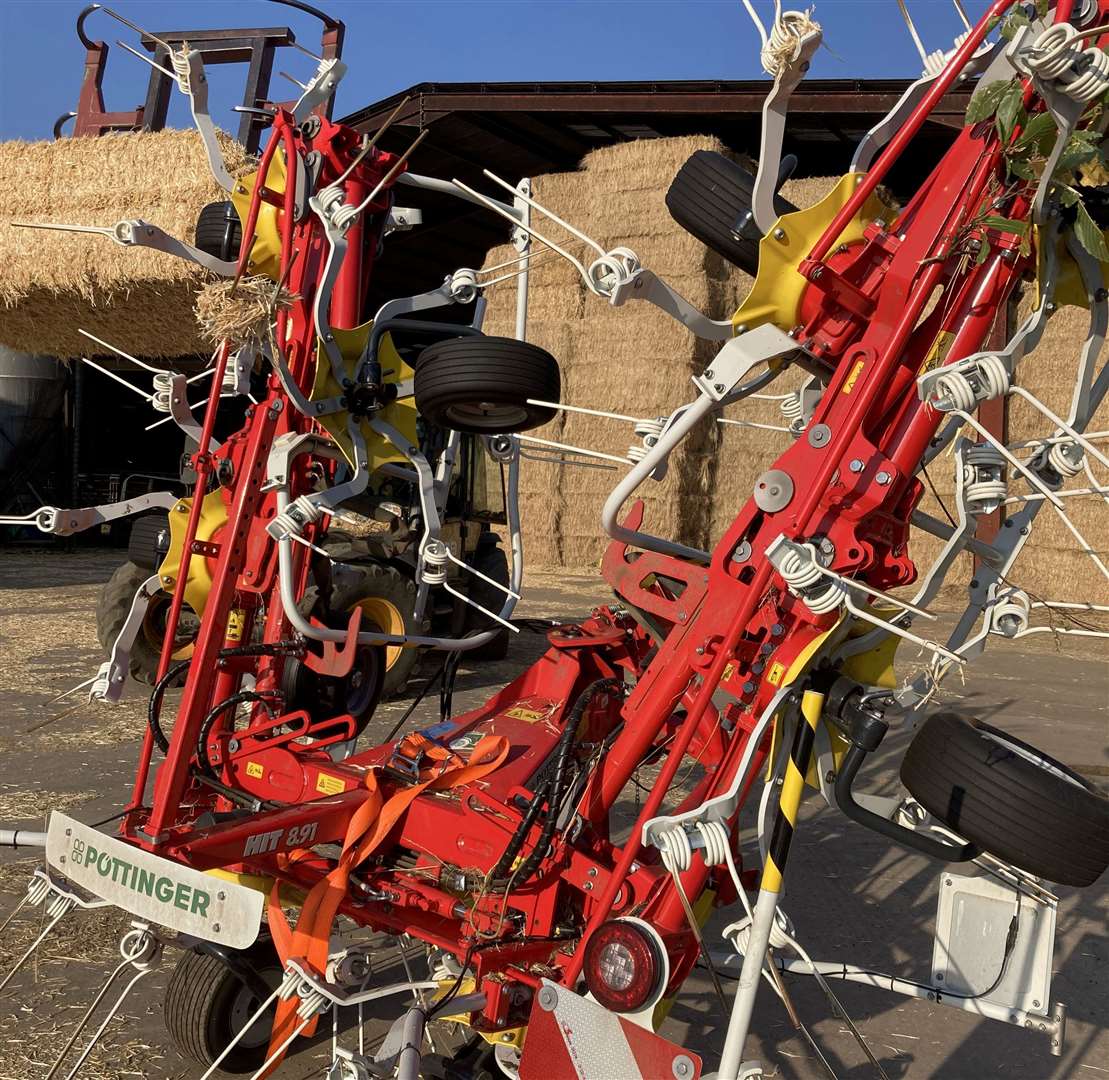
{"points": [[1009, 798], [485, 385], [207, 1003], [711, 199], [219, 231]]}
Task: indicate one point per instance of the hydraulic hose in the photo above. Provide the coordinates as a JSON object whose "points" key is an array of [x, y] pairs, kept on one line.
{"points": [[553, 790]]}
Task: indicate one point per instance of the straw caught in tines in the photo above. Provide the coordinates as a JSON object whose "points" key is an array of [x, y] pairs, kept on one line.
{"points": [[243, 317]]}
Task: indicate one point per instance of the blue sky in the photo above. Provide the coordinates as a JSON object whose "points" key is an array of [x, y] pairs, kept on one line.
{"points": [[392, 45]]}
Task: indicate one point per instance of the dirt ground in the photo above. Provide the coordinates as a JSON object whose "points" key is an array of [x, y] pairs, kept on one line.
{"points": [[852, 895]]}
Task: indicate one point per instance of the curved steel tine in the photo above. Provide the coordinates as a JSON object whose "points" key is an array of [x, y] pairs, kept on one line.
{"points": [[134, 26], [85, 1019], [103, 1027], [146, 60], [62, 908], [258, 1014]]}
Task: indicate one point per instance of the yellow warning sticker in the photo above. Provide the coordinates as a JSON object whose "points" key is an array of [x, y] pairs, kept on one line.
{"points": [[729, 671], [856, 371], [776, 673], [254, 768], [235, 623], [330, 785], [938, 352], [531, 716]]}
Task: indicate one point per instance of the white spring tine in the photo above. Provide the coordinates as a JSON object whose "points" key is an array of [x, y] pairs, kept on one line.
{"points": [[477, 573], [100, 230], [1077, 436], [924, 643], [1051, 440], [107, 1020], [59, 912], [497, 209], [278, 1052], [120, 352], [852, 583], [85, 1019], [912, 31], [134, 26], [1073, 493], [572, 449], [545, 212], [66, 693], [308, 52], [588, 412], [146, 59], [474, 604], [295, 82], [1039, 485], [552, 458], [118, 378], [751, 424], [15, 911], [167, 419], [242, 1031], [393, 171], [1027, 473]]}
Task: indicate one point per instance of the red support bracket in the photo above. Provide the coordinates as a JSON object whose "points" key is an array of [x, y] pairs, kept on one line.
{"points": [[336, 660]]}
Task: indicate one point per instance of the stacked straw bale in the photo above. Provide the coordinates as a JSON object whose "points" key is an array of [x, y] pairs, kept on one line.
{"points": [[51, 283], [634, 360], [1052, 566]]}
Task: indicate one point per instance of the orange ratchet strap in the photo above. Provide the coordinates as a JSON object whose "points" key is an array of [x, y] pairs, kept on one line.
{"points": [[369, 825]]}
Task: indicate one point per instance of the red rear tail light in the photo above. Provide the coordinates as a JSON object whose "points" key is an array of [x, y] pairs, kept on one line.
{"points": [[623, 966]]}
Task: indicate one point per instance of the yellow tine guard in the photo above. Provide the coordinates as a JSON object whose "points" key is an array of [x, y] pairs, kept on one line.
{"points": [[793, 786]]}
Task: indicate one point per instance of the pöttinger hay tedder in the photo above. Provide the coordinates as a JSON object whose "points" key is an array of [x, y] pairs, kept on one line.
{"points": [[490, 838]]}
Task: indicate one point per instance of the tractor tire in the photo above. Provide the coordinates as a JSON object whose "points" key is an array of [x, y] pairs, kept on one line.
{"points": [[113, 605], [491, 560], [483, 385], [219, 232], [206, 1005], [710, 197], [1009, 798], [387, 597]]}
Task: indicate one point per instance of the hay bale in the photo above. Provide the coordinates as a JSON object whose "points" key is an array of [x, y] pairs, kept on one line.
{"points": [[635, 361], [51, 283], [1051, 566]]}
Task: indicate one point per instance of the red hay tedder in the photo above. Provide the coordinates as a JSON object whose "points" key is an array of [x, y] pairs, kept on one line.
{"points": [[491, 837]]}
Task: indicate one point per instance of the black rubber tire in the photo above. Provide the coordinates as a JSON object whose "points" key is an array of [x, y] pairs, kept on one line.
{"points": [[482, 384], [149, 541], [219, 231], [113, 605], [379, 581], [203, 996], [709, 197], [1009, 798], [491, 560]]}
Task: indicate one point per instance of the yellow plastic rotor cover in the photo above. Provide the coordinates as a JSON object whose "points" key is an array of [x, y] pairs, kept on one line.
{"points": [[776, 294], [265, 252], [400, 414], [213, 516]]}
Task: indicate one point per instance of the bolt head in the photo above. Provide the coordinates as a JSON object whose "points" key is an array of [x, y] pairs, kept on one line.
{"points": [[883, 478], [856, 466]]}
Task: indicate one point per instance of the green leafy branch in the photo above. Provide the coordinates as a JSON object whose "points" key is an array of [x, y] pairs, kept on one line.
{"points": [[1028, 142]]}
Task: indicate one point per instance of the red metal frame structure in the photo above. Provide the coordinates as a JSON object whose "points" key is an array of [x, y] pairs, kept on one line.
{"points": [[425, 830]]}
